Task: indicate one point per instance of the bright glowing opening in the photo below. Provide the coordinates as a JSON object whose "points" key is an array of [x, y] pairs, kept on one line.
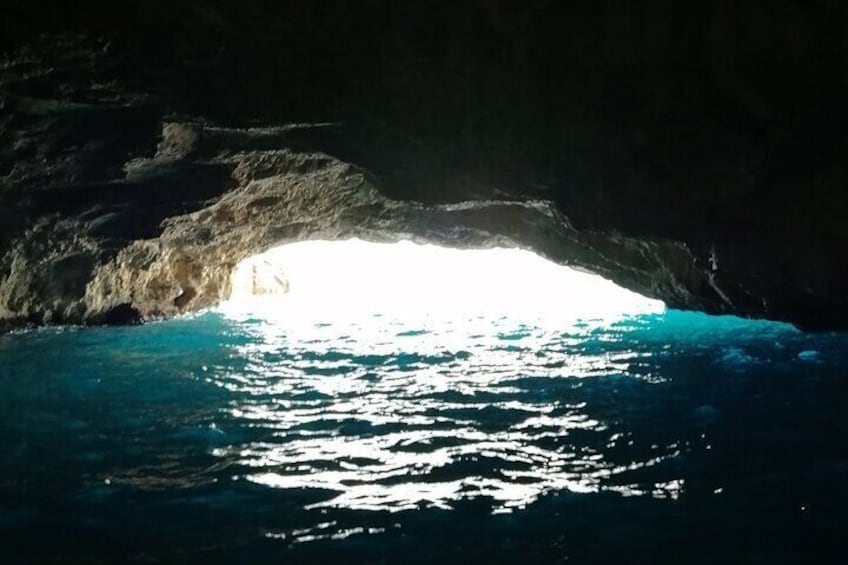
{"points": [[331, 281]]}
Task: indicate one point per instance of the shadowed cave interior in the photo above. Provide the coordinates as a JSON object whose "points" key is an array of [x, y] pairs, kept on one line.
{"points": [[690, 154]]}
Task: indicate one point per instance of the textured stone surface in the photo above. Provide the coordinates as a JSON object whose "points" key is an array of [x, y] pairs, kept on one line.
{"points": [[694, 155]]}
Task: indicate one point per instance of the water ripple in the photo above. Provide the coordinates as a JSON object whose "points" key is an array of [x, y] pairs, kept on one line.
{"points": [[441, 415]]}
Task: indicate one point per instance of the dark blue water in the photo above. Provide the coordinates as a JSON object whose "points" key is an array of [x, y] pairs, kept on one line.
{"points": [[674, 438]]}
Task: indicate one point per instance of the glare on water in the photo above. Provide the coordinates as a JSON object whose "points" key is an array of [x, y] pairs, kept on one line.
{"points": [[358, 335]]}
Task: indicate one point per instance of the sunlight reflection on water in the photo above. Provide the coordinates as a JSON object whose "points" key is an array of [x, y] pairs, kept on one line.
{"points": [[438, 415], [422, 403]]}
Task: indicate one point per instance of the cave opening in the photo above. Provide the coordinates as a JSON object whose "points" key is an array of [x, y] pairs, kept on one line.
{"points": [[353, 279]]}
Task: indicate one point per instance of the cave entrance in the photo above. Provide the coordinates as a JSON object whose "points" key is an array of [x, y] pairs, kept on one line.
{"points": [[320, 281]]}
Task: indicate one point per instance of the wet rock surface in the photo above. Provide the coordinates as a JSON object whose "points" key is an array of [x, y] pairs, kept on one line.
{"points": [[697, 158]]}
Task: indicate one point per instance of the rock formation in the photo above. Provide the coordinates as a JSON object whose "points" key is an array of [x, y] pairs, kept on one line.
{"points": [[696, 158]]}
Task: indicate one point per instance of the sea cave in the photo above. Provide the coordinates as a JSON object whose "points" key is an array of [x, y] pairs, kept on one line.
{"points": [[415, 282]]}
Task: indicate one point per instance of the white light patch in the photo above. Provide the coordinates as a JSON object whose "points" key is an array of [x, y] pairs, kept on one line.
{"points": [[331, 281]]}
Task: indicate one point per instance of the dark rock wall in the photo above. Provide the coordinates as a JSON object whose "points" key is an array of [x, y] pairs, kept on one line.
{"points": [[717, 129]]}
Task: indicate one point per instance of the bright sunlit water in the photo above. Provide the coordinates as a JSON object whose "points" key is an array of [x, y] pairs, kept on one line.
{"points": [[649, 437]]}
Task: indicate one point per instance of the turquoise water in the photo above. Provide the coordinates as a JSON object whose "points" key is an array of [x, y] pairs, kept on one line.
{"points": [[678, 438]]}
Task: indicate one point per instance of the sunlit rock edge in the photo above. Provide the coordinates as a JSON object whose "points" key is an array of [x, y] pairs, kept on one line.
{"points": [[277, 196]]}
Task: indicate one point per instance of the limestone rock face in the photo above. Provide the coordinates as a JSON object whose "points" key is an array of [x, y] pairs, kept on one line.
{"points": [[695, 157]]}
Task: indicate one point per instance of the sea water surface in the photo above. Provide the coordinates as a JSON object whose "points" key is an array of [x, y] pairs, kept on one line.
{"points": [[674, 437]]}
